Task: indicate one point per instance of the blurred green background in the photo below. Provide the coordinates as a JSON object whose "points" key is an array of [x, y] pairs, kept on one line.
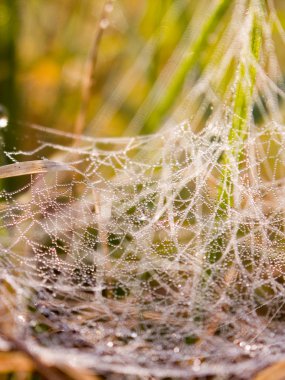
{"points": [[44, 47]]}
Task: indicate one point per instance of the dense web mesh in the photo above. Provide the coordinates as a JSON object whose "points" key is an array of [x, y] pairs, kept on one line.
{"points": [[120, 259]]}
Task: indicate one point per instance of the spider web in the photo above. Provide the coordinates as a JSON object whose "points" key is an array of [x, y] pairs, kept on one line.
{"points": [[124, 262], [123, 258]]}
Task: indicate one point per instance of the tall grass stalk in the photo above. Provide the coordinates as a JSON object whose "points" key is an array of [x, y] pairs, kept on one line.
{"points": [[239, 119], [174, 88], [241, 110]]}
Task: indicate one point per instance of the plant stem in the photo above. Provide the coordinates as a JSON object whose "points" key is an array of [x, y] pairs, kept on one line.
{"points": [[241, 108], [88, 82]]}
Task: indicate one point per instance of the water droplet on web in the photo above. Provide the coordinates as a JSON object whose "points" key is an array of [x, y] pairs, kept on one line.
{"points": [[104, 23], [109, 7], [32, 323], [196, 365], [21, 319], [4, 118], [247, 347]]}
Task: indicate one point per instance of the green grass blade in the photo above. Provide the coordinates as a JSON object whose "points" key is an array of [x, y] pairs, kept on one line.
{"points": [[175, 86]]}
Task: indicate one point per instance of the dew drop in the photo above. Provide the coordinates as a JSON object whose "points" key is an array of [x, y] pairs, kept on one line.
{"points": [[196, 365], [21, 319], [3, 117], [247, 347], [104, 23], [32, 323], [109, 7]]}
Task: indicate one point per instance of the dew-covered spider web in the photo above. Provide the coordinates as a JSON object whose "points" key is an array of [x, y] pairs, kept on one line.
{"points": [[162, 255], [119, 259]]}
